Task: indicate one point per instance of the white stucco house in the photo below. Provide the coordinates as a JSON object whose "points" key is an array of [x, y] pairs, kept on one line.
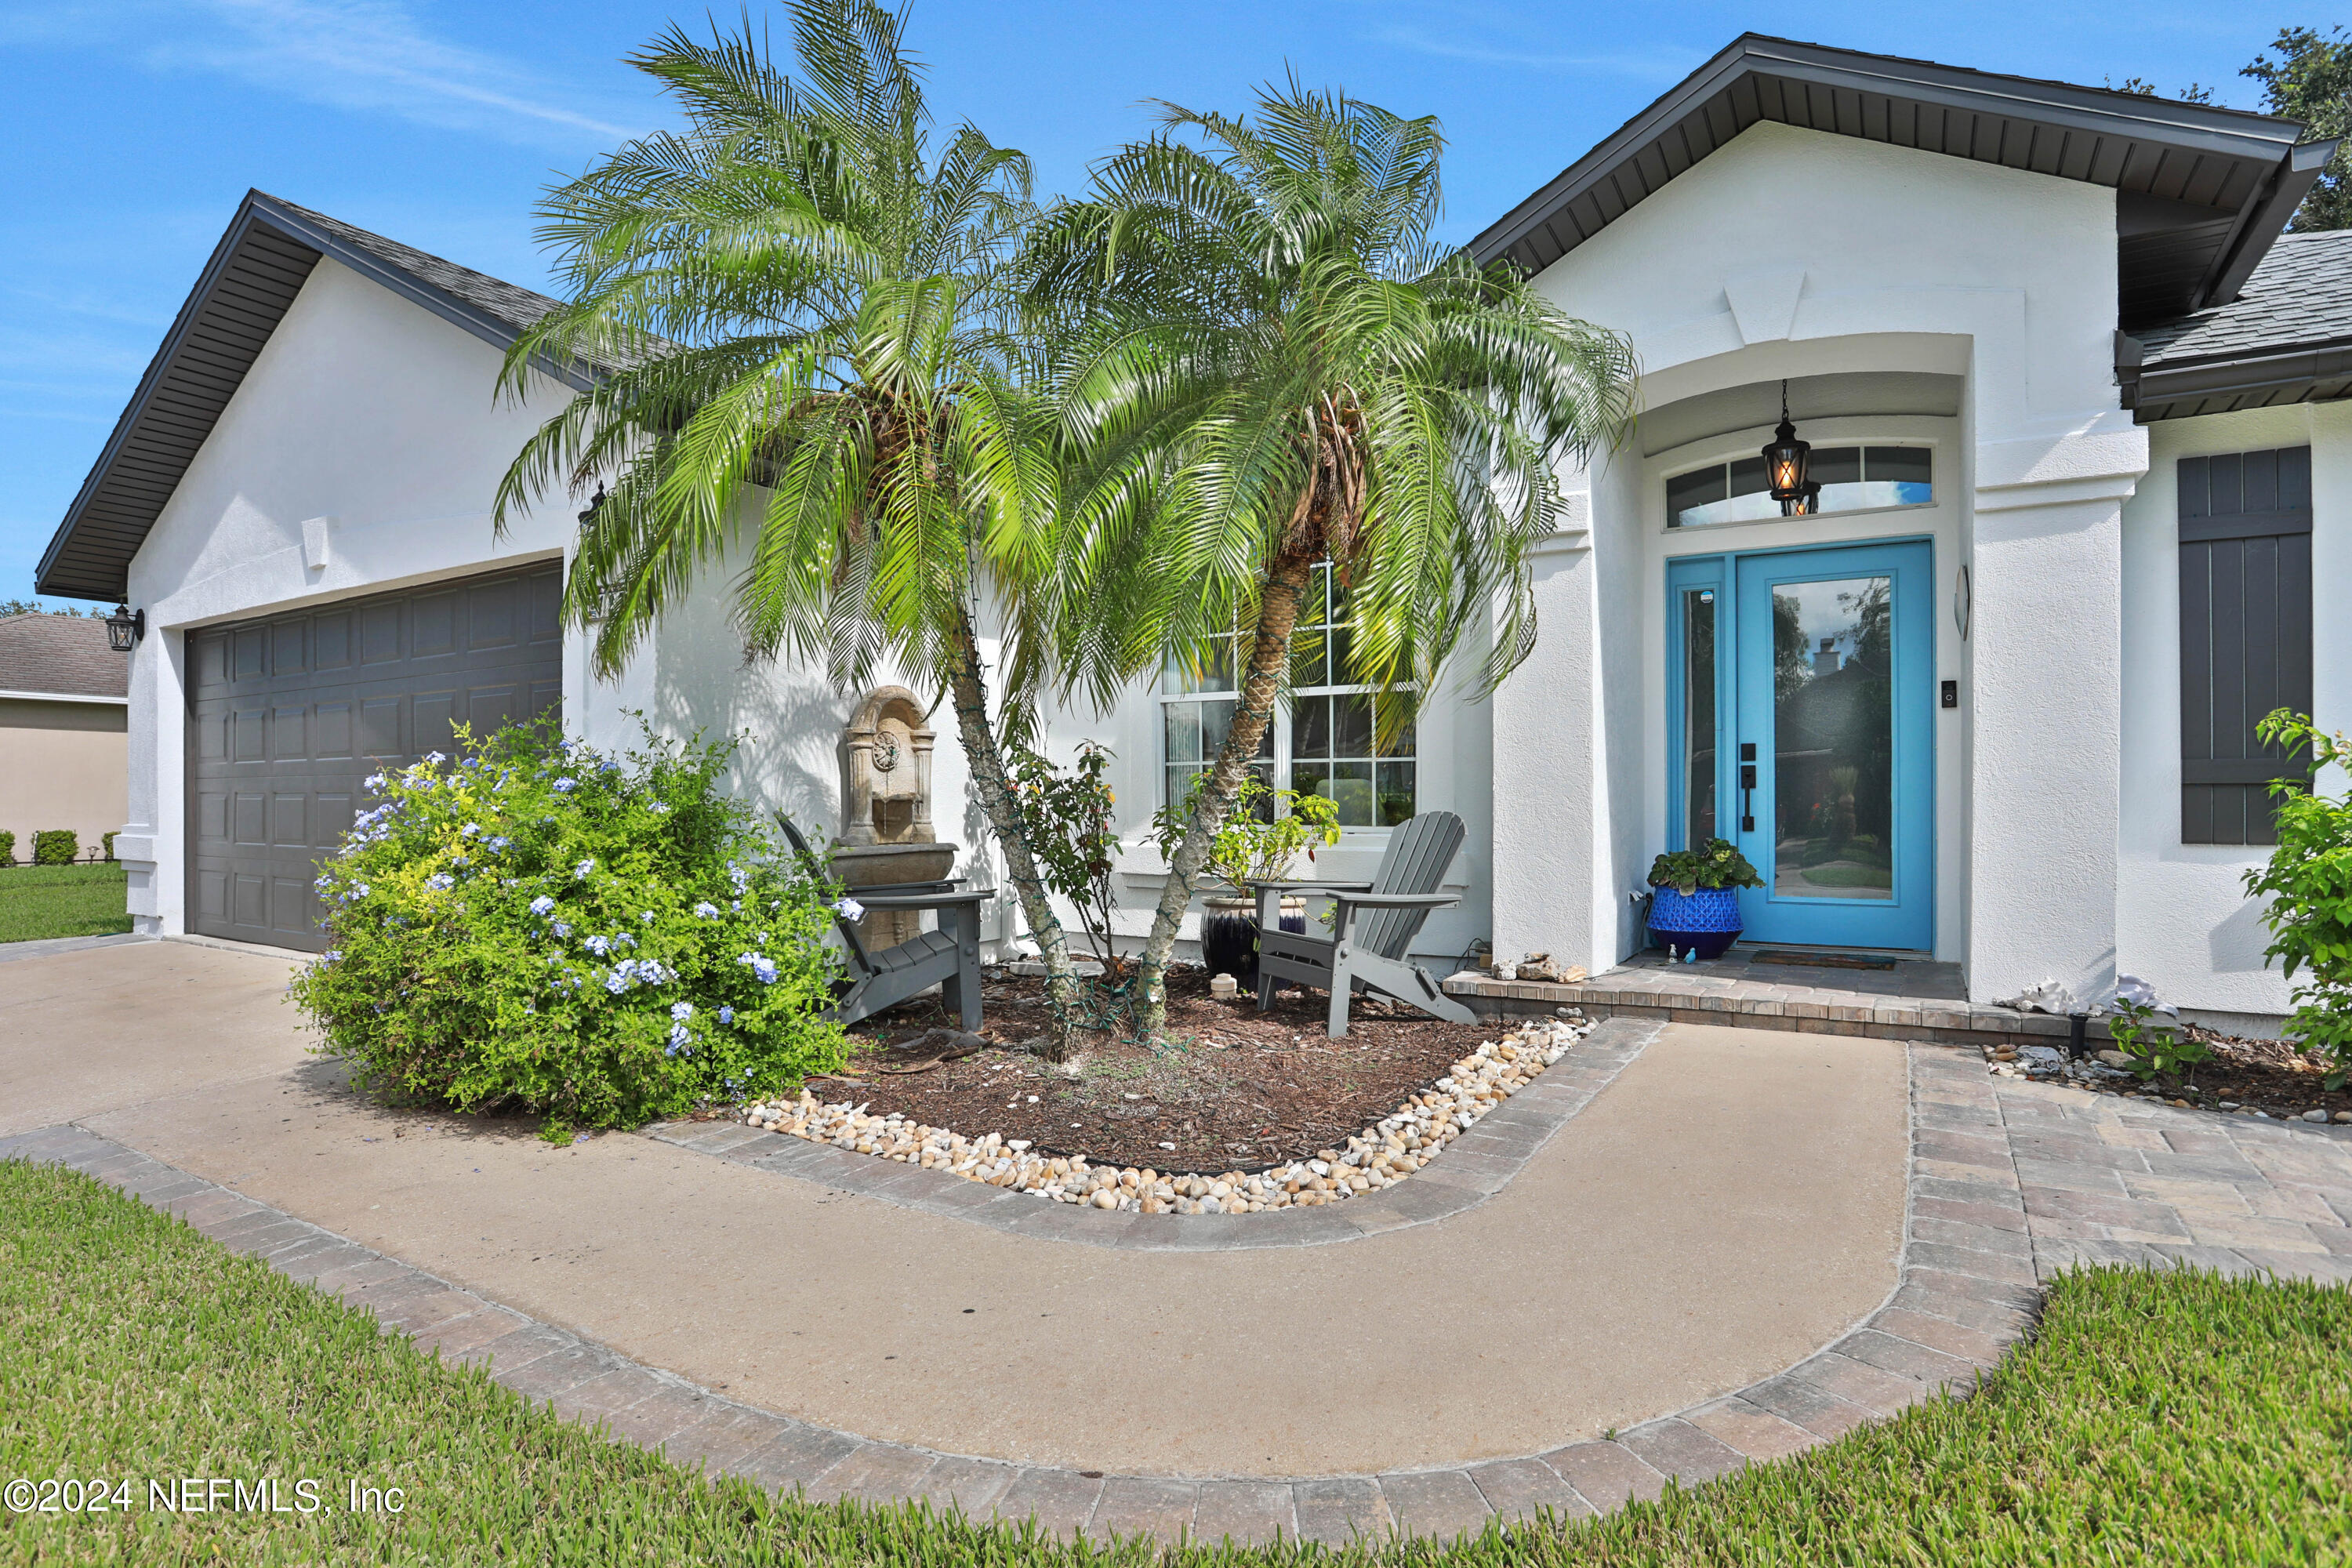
{"points": [[2076, 410]]}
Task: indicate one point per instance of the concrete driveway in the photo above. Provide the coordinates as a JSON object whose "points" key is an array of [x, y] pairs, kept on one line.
{"points": [[1732, 1203]]}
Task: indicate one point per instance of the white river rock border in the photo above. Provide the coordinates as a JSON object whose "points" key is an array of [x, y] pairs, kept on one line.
{"points": [[1384, 1154]]}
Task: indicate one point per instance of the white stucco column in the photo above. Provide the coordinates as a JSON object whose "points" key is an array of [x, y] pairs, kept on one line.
{"points": [[153, 899], [1549, 812], [2046, 666]]}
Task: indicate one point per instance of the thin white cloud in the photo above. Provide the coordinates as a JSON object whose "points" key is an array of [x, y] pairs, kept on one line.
{"points": [[1662, 66], [373, 56]]}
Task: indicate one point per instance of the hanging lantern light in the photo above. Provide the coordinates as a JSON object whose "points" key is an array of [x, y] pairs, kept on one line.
{"points": [[125, 627], [1785, 460]]}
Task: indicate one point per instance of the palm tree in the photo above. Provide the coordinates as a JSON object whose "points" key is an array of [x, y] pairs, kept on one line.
{"points": [[812, 366], [1273, 365]]}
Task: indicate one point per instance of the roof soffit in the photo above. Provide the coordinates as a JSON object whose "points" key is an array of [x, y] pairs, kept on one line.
{"points": [[2211, 175]]}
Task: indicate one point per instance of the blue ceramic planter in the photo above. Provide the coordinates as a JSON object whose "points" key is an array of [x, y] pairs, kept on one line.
{"points": [[1705, 921]]}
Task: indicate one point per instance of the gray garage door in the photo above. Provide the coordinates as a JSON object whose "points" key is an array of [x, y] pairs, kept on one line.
{"points": [[289, 712]]}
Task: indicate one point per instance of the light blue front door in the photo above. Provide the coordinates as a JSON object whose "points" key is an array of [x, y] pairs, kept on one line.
{"points": [[1834, 710]]}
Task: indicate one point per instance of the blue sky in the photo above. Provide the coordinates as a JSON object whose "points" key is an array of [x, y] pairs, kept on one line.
{"points": [[137, 127]]}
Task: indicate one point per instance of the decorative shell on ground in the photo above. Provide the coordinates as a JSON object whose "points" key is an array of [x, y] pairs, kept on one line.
{"points": [[1386, 1152]]}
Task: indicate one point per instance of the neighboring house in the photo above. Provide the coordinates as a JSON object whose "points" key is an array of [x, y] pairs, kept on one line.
{"points": [[63, 750], [2074, 407]]}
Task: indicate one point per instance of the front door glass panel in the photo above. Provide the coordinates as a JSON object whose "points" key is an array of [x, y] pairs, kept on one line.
{"points": [[1832, 735], [1698, 736]]}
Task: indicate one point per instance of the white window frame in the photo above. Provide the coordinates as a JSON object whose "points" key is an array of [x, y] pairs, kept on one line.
{"points": [[1279, 725]]}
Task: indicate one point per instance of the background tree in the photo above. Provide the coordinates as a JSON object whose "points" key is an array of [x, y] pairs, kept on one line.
{"points": [[813, 369], [1274, 365], [2306, 74]]}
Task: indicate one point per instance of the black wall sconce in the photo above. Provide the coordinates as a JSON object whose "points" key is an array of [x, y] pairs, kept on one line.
{"points": [[125, 629]]}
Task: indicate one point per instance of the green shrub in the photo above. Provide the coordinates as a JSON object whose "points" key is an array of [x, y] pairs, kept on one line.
{"points": [[2309, 884], [109, 838], [1717, 863], [601, 940], [8, 850], [56, 847]]}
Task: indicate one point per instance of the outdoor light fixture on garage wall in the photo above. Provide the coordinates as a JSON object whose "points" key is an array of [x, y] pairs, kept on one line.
{"points": [[1785, 460], [124, 628]]}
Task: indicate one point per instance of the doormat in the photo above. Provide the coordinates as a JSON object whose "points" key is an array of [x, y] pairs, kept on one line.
{"points": [[1825, 959]]}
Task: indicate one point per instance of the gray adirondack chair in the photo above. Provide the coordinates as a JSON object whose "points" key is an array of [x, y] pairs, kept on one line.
{"points": [[948, 958], [1373, 926]]}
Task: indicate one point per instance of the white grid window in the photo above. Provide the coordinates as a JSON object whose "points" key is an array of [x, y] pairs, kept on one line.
{"points": [[1322, 741]]}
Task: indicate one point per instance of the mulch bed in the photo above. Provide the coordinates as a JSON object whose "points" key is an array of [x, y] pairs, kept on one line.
{"points": [[2268, 1075], [1235, 1089], [2261, 1075]]}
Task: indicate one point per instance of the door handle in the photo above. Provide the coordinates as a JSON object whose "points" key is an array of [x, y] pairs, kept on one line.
{"points": [[1747, 786]]}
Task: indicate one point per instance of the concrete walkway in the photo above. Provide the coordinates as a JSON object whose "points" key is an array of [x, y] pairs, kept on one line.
{"points": [[1730, 1204], [1669, 1250]]}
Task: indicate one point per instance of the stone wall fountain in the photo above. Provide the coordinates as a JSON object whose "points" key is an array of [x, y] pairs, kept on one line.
{"points": [[885, 820]]}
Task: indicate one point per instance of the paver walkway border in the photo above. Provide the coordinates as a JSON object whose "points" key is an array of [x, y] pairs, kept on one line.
{"points": [[1468, 1171], [2009, 1182]]}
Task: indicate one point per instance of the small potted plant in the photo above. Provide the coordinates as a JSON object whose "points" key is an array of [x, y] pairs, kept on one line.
{"points": [[1696, 906], [1261, 840]]}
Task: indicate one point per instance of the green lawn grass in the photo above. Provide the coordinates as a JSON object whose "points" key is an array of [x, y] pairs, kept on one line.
{"points": [[2175, 1418], [38, 901]]}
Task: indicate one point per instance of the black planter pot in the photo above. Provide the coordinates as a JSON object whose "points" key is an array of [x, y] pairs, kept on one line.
{"points": [[1229, 940]]}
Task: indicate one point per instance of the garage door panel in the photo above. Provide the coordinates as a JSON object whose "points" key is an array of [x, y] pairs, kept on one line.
{"points": [[380, 728], [291, 712], [293, 907], [208, 662], [546, 595], [331, 818], [289, 651], [433, 625], [289, 819], [331, 739], [430, 714], [211, 820], [379, 634], [493, 619], [330, 642]]}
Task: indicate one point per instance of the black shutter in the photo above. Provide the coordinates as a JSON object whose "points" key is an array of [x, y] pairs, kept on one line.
{"points": [[2245, 635]]}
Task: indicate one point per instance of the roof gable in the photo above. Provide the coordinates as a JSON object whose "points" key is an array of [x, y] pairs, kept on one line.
{"points": [[245, 291], [2202, 191]]}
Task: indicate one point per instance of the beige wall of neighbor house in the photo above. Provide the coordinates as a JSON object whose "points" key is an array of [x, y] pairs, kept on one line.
{"points": [[63, 763]]}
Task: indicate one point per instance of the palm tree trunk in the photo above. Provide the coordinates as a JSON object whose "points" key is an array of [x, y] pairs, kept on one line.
{"points": [[1269, 661], [969, 692]]}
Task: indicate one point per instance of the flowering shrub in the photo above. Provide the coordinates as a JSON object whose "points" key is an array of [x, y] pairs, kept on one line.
{"points": [[2308, 883], [601, 940]]}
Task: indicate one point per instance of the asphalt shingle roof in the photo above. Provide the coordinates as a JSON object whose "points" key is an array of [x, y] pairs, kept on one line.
{"points": [[2301, 296], [64, 655], [517, 307]]}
